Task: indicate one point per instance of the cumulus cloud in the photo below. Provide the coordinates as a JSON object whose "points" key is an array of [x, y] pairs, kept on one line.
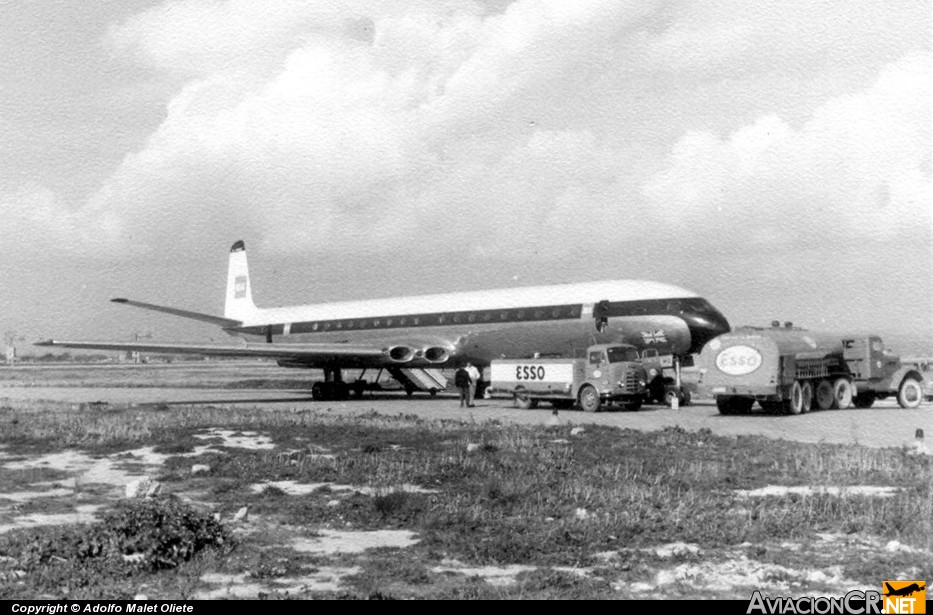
{"points": [[340, 137], [349, 126], [36, 219], [858, 168]]}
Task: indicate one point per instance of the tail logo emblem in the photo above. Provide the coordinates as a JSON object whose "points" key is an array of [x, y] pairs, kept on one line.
{"points": [[239, 287]]}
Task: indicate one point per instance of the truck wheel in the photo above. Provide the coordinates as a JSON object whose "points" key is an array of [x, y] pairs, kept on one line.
{"points": [[842, 393], [734, 405], [589, 399], [910, 393], [864, 400], [806, 392], [794, 402], [824, 395], [726, 405]]}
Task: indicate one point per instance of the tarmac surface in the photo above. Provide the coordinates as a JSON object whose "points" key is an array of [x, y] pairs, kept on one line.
{"points": [[883, 425]]}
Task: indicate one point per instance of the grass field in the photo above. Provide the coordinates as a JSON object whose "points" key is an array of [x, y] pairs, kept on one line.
{"points": [[371, 506], [185, 374]]}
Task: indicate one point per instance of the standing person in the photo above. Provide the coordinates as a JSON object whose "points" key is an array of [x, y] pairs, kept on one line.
{"points": [[462, 382], [474, 380]]}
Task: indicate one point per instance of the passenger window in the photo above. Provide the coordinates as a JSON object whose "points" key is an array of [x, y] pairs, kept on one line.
{"points": [[596, 358]]}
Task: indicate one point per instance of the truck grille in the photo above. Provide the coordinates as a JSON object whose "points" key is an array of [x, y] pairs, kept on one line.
{"points": [[630, 381]]}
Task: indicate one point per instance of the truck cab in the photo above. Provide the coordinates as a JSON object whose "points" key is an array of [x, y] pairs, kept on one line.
{"points": [[615, 373]]}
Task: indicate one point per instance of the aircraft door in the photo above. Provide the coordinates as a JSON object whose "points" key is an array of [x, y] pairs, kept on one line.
{"points": [[601, 315]]}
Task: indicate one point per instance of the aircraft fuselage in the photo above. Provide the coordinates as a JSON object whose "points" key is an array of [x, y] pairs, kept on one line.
{"points": [[509, 323]]}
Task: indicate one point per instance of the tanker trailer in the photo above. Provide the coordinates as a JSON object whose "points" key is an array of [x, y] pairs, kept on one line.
{"points": [[791, 370]]}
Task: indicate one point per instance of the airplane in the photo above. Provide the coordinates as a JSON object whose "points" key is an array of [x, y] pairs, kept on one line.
{"points": [[904, 591], [413, 336]]}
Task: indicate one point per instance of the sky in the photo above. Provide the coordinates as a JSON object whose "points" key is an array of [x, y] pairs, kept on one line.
{"points": [[773, 157]]}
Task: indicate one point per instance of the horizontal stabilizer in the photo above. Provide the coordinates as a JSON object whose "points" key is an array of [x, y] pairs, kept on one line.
{"points": [[308, 352], [214, 320]]}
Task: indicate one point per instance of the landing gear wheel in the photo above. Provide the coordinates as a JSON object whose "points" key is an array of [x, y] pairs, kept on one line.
{"points": [[842, 393], [341, 390], [409, 390], [318, 392], [589, 399], [687, 397], [910, 393], [433, 392], [359, 387], [806, 392], [824, 395], [794, 402]]}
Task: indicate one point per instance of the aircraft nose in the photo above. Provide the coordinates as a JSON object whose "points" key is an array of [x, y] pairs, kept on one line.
{"points": [[704, 327]]}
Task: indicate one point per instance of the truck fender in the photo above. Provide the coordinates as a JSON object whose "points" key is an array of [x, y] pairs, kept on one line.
{"points": [[596, 384], [900, 375]]}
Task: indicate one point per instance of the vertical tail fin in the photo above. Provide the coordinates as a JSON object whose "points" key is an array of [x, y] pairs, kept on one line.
{"points": [[239, 304]]}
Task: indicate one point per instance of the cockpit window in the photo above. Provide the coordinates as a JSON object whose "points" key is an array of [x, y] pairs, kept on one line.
{"points": [[622, 353], [697, 304]]}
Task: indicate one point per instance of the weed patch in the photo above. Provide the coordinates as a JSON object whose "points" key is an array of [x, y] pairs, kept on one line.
{"points": [[136, 535]]}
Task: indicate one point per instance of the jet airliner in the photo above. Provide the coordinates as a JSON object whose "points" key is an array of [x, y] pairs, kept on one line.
{"points": [[413, 336], [904, 591]]}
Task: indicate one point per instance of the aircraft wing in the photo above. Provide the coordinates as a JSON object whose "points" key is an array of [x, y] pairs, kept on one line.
{"points": [[310, 353]]}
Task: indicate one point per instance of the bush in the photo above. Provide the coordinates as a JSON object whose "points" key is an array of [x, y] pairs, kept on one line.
{"points": [[151, 534], [162, 532]]}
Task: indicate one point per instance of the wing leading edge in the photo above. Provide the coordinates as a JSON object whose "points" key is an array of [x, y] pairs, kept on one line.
{"points": [[310, 353]]}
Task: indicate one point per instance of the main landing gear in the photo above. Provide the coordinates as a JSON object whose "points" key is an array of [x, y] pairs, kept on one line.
{"points": [[333, 387]]}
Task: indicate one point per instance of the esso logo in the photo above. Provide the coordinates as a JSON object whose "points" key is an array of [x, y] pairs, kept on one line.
{"points": [[738, 360]]}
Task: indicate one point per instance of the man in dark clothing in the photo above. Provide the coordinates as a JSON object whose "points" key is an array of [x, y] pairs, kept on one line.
{"points": [[463, 382]]}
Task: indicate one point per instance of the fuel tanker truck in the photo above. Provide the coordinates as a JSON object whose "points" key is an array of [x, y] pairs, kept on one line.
{"points": [[791, 370], [609, 374]]}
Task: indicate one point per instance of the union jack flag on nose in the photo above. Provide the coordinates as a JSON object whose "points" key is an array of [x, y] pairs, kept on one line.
{"points": [[654, 337]]}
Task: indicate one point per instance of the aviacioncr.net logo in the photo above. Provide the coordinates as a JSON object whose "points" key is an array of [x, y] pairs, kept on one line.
{"points": [[904, 597], [856, 602]]}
